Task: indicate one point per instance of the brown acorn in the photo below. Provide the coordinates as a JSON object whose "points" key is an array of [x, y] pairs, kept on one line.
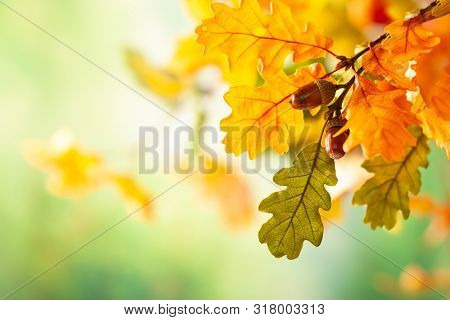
{"points": [[314, 94], [335, 145]]}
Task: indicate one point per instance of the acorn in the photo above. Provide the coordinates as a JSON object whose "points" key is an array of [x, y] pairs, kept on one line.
{"points": [[334, 146], [314, 94]]}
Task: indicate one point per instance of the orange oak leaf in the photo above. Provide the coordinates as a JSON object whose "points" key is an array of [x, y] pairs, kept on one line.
{"points": [[438, 96], [378, 62], [433, 126], [433, 70], [378, 118], [249, 35], [408, 39], [263, 117]]}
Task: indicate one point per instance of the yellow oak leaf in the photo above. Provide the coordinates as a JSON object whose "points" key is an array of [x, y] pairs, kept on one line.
{"points": [[248, 35], [378, 62], [263, 117], [201, 9], [434, 127], [407, 40], [378, 119]]}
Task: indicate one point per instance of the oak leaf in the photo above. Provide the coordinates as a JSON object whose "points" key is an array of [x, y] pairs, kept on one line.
{"points": [[386, 193], [378, 118], [189, 58], [248, 34], [263, 117], [201, 9], [407, 40], [433, 70], [295, 210], [433, 126], [378, 62]]}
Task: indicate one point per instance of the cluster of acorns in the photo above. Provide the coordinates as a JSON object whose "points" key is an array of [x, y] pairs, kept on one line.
{"points": [[317, 93]]}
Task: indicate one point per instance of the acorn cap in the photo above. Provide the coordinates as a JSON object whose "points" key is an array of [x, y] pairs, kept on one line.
{"points": [[327, 90], [335, 122]]}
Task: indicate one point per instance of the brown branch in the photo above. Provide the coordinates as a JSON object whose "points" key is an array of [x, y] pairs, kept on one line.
{"points": [[422, 16]]}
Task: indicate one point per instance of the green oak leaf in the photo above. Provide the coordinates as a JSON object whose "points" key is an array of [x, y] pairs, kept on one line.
{"points": [[386, 192], [295, 210]]}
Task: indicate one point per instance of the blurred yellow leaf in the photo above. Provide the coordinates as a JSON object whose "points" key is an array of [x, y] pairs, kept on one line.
{"points": [[159, 80], [334, 214], [73, 171], [413, 284], [231, 192], [179, 74], [134, 193], [363, 13]]}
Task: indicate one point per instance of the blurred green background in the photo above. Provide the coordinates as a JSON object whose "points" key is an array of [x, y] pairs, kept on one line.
{"points": [[186, 252]]}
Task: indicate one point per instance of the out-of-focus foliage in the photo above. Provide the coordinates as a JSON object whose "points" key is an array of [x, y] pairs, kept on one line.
{"points": [[76, 172], [73, 171], [231, 193], [188, 59], [414, 282], [439, 213]]}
